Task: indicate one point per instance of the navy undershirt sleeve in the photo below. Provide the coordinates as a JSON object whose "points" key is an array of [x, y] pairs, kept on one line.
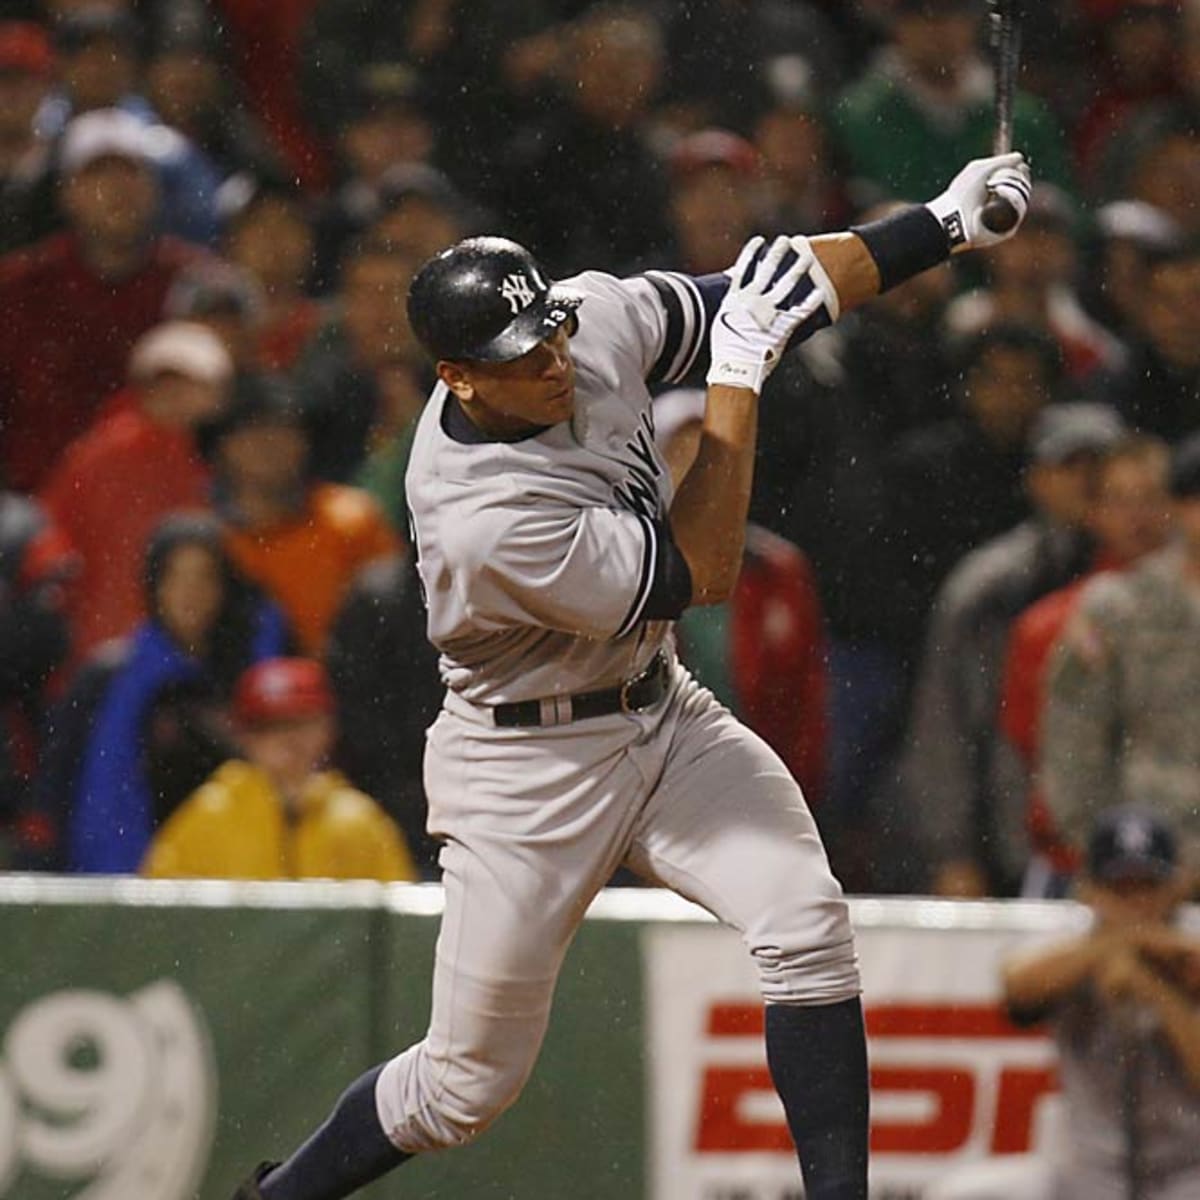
{"points": [[671, 589]]}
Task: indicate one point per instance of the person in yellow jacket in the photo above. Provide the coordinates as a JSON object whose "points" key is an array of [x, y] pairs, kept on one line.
{"points": [[274, 814]]}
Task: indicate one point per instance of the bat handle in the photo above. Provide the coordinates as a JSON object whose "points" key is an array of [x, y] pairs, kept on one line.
{"points": [[999, 215]]}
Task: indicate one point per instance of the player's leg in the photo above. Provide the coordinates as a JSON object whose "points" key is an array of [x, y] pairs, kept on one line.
{"points": [[728, 828], [534, 832]]}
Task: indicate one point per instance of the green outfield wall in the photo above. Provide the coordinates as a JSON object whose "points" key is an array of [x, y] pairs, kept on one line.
{"points": [[159, 1039]]}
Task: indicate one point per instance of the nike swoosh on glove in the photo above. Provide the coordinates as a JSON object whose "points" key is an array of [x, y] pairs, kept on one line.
{"points": [[769, 297]]}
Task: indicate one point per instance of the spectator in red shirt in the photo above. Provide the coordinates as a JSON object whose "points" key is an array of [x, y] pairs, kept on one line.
{"points": [[1138, 42], [114, 483], [75, 303], [763, 653]]}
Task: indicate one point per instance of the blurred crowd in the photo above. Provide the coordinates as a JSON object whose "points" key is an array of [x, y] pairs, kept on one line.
{"points": [[969, 617]]}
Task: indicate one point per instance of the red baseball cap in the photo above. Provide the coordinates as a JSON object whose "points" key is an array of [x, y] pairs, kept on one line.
{"points": [[713, 148], [25, 48], [282, 689]]}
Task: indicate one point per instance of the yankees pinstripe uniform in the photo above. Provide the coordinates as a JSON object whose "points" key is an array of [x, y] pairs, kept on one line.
{"points": [[549, 572], [554, 557]]}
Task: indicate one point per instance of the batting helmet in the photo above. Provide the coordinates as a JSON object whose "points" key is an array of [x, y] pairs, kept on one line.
{"points": [[485, 299]]}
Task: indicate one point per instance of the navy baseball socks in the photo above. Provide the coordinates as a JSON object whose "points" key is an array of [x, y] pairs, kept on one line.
{"points": [[818, 1061], [346, 1153]]}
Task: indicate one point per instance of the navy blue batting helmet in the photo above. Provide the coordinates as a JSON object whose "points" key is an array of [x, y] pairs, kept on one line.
{"points": [[485, 299]]}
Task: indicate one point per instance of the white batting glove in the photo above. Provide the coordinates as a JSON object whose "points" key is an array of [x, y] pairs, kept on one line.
{"points": [[960, 207], [757, 316]]}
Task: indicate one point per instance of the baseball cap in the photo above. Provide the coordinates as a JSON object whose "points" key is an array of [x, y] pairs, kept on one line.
{"points": [[256, 398], [384, 87], [214, 289], [24, 49], [1062, 431], [1128, 842], [79, 27], [105, 133], [281, 689], [406, 180], [713, 148], [1183, 481], [1138, 222], [184, 348]]}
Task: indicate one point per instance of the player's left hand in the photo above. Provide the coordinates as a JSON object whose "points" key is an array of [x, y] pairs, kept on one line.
{"points": [[768, 298], [960, 207]]}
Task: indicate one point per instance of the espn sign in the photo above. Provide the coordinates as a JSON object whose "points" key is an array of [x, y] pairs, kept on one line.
{"points": [[952, 1080], [954, 1098]]}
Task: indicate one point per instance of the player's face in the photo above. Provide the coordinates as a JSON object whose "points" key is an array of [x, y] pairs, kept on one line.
{"points": [[510, 398]]}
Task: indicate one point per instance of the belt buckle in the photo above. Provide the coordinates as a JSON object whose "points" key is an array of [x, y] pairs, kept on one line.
{"points": [[655, 664]]}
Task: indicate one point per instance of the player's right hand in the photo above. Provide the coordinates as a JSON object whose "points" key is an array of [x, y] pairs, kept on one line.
{"points": [[770, 295], [960, 207]]}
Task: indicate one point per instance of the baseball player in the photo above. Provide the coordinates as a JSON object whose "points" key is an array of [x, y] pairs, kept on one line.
{"points": [[554, 554]]}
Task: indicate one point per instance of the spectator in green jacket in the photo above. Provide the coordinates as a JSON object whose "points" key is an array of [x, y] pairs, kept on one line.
{"points": [[926, 103]]}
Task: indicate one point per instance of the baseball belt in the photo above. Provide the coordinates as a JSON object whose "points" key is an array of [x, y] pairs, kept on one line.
{"points": [[634, 695]]}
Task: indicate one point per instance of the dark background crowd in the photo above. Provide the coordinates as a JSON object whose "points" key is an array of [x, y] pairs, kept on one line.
{"points": [[969, 615]]}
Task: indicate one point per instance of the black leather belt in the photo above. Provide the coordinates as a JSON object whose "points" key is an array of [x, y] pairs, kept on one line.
{"points": [[634, 695]]}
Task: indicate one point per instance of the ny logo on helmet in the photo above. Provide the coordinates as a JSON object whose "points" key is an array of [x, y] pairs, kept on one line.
{"points": [[516, 290]]}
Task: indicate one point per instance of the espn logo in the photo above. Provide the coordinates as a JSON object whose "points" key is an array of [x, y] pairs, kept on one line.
{"points": [[942, 1076]]}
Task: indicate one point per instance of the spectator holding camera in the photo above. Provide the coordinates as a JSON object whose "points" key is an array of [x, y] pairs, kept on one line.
{"points": [[1124, 1003]]}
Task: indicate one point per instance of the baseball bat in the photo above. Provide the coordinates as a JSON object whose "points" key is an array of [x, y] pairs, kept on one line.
{"points": [[998, 214]]}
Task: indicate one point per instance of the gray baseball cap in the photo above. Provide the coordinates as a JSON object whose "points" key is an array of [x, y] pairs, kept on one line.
{"points": [[1063, 431]]}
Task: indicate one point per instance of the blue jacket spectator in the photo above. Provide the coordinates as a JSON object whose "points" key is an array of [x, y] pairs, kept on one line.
{"points": [[158, 704]]}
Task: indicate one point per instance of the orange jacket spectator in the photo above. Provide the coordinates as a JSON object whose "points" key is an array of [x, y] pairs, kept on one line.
{"points": [[138, 463], [302, 542], [307, 562]]}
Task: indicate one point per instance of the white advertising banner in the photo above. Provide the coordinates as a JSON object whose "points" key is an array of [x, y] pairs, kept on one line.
{"points": [[952, 1081]]}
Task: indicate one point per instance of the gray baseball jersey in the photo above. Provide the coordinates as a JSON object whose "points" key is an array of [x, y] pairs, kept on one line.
{"points": [[547, 562]]}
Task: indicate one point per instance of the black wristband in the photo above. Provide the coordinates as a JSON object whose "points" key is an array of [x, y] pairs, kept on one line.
{"points": [[905, 244]]}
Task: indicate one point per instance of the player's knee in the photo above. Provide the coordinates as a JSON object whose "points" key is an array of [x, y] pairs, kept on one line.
{"points": [[477, 1099], [807, 957], [436, 1106]]}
